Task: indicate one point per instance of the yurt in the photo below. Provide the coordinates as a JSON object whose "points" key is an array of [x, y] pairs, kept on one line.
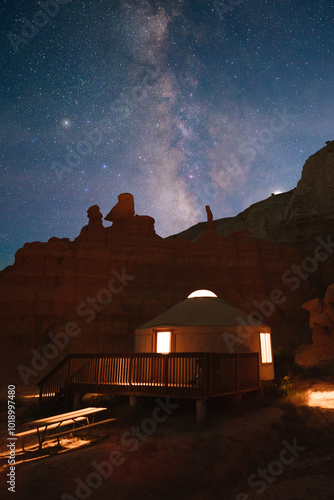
{"points": [[205, 323]]}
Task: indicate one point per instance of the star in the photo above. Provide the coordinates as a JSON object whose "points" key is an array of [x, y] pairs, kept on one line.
{"points": [[66, 123]]}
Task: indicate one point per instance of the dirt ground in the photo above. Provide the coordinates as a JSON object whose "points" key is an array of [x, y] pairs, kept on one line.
{"points": [[282, 450]]}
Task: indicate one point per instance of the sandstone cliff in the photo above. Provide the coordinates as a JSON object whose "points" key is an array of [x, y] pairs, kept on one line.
{"points": [[294, 218]]}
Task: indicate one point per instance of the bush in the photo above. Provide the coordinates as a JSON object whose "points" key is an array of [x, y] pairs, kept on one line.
{"points": [[283, 389]]}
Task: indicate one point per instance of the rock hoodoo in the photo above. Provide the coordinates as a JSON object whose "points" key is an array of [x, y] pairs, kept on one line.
{"points": [[322, 313], [124, 210], [209, 225], [124, 219], [95, 217], [322, 325]]}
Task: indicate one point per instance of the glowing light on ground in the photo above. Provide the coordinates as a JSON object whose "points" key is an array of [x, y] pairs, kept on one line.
{"points": [[321, 399]]}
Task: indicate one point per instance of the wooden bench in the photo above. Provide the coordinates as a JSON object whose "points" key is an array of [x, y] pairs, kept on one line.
{"points": [[45, 429], [77, 430], [50, 426]]}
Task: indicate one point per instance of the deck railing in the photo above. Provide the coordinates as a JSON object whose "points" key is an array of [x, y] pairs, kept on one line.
{"points": [[188, 375]]}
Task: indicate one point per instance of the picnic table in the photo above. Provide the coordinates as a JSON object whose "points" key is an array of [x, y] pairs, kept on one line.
{"points": [[47, 428]]}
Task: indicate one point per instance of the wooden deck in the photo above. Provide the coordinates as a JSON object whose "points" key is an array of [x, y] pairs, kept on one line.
{"points": [[179, 375]]}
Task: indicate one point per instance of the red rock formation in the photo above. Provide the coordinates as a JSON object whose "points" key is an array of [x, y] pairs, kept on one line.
{"points": [[322, 325], [209, 225], [109, 280], [124, 210]]}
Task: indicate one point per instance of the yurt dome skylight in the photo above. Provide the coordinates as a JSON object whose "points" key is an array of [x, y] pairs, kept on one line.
{"points": [[201, 293]]}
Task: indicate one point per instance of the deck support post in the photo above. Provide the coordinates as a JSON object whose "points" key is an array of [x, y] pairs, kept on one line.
{"points": [[76, 401], [200, 411], [133, 401]]}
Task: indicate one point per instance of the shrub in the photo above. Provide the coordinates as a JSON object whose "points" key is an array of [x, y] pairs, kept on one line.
{"points": [[283, 389]]}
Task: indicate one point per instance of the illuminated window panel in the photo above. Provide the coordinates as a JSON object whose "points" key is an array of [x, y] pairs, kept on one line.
{"points": [[163, 342], [266, 355]]}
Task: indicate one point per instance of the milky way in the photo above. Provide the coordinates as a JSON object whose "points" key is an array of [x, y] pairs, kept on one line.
{"points": [[182, 103]]}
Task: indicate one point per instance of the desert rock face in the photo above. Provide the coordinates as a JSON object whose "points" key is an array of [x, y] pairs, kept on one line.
{"points": [[109, 280], [310, 210], [294, 218]]}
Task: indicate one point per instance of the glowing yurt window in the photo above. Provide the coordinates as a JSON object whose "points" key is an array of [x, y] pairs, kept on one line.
{"points": [[201, 293], [163, 342], [266, 348]]}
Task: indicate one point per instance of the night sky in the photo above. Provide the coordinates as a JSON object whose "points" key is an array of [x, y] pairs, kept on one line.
{"points": [[183, 103]]}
